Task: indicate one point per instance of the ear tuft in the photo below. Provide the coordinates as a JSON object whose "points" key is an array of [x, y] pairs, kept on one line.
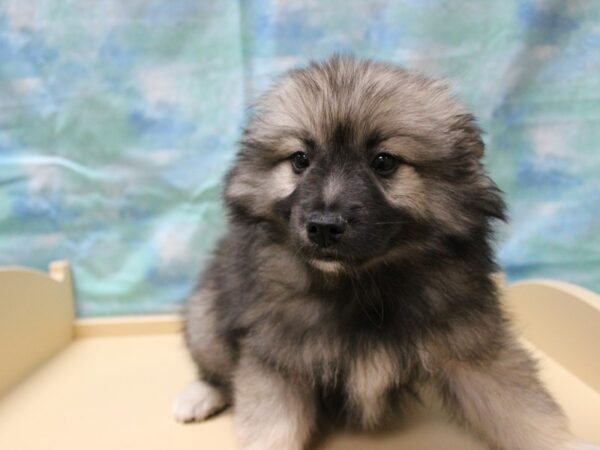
{"points": [[468, 134]]}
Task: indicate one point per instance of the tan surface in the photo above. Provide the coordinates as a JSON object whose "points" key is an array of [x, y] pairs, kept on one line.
{"points": [[36, 316], [114, 392], [107, 393]]}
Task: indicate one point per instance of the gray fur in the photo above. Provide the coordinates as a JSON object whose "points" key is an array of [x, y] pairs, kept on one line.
{"points": [[291, 333]]}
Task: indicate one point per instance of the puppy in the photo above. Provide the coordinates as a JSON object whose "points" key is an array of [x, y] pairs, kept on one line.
{"points": [[357, 267]]}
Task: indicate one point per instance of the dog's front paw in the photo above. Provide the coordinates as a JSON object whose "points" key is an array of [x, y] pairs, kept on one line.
{"points": [[197, 402]]}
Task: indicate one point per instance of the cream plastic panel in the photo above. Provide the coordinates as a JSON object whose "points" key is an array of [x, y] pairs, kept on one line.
{"points": [[563, 321], [36, 318]]}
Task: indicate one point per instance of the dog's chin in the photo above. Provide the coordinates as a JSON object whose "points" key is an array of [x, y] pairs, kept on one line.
{"points": [[325, 260], [331, 261], [327, 266], [348, 257]]}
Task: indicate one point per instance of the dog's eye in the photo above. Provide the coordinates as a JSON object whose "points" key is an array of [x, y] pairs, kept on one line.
{"points": [[300, 161], [385, 164]]}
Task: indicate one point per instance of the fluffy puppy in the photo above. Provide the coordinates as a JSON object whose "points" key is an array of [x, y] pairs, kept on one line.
{"points": [[357, 266]]}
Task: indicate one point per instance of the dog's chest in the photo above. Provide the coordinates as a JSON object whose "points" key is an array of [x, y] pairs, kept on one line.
{"points": [[341, 350], [364, 381]]}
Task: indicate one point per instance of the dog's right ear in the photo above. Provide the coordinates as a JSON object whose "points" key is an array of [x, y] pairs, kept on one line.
{"points": [[468, 135]]}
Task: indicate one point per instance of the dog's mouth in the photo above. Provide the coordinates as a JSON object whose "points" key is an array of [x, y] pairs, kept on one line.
{"points": [[327, 266], [330, 260], [354, 249], [327, 254], [344, 258]]}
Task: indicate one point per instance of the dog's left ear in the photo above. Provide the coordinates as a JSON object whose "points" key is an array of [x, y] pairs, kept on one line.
{"points": [[468, 134]]}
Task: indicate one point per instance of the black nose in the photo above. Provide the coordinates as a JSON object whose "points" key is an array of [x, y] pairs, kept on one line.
{"points": [[325, 229]]}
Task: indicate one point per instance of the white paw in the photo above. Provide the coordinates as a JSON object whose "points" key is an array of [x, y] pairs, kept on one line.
{"points": [[196, 402]]}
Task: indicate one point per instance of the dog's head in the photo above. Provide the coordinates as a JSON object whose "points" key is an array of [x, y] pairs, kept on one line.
{"points": [[355, 161]]}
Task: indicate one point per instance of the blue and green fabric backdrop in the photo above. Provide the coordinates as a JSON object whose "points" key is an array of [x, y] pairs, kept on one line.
{"points": [[118, 120]]}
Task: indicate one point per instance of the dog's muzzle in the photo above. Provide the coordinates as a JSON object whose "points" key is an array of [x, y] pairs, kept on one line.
{"points": [[325, 229]]}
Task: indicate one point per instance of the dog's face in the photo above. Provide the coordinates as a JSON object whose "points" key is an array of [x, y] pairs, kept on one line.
{"points": [[356, 161]]}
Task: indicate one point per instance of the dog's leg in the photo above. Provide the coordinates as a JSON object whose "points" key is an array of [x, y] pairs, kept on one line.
{"points": [[270, 412], [208, 348], [210, 393], [503, 400]]}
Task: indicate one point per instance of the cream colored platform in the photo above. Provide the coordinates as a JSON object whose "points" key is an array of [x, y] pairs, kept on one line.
{"points": [[111, 386]]}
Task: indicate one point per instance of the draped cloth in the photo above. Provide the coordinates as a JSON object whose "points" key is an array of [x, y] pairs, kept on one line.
{"points": [[118, 120]]}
